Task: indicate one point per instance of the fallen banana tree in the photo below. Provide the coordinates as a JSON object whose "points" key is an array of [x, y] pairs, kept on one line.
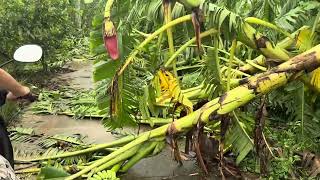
{"points": [[259, 62], [136, 148]]}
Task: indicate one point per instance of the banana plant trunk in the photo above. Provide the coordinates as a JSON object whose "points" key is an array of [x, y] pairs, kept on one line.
{"points": [[239, 96]]}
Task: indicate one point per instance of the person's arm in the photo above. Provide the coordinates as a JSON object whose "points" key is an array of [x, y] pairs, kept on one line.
{"points": [[7, 82]]}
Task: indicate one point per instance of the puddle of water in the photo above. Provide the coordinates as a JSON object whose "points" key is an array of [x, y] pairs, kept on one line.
{"points": [[82, 77], [52, 124]]}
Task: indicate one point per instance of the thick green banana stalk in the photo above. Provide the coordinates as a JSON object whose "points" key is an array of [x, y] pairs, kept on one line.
{"points": [[254, 20], [261, 60], [256, 40], [167, 9], [250, 88], [167, 4], [92, 149], [254, 66]]}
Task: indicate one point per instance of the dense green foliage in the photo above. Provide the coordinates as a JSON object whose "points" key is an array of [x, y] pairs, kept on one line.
{"points": [[49, 23], [203, 87], [292, 120]]}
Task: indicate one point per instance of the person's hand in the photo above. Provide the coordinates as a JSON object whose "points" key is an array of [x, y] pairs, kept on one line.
{"points": [[11, 97], [24, 94], [23, 90]]}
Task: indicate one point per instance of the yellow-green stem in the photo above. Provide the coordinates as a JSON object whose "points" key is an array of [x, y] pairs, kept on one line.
{"points": [[142, 138], [159, 42], [84, 151], [116, 167], [141, 33], [193, 88], [29, 171], [238, 61], [217, 62], [254, 20], [168, 19], [183, 47], [122, 157], [145, 150], [260, 60], [232, 52], [257, 66], [150, 38], [252, 38], [107, 9]]}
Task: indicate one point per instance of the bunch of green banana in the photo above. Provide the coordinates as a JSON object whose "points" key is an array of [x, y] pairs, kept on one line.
{"points": [[105, 175]]}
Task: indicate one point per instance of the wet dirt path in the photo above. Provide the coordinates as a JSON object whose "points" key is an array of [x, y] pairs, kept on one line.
{"points": [[158, 167]]}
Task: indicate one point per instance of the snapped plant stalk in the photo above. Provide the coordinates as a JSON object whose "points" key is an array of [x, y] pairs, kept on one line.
{"points": [[216, 62], [167, 19], [194, 5], [247, 35], [150, 38], [254, 20], [118, 159], [145, 150], [85, 151], [259, 62], [167, 4], [251, 37], [187, 44], [300, 39], [232, 52], [237, 97]]}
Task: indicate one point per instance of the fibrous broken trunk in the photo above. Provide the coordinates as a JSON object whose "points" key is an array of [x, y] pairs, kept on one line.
{"points": [[260, 144]]}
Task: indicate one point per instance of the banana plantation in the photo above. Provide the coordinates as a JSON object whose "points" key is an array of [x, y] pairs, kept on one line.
{"points": [[231, 86]]}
